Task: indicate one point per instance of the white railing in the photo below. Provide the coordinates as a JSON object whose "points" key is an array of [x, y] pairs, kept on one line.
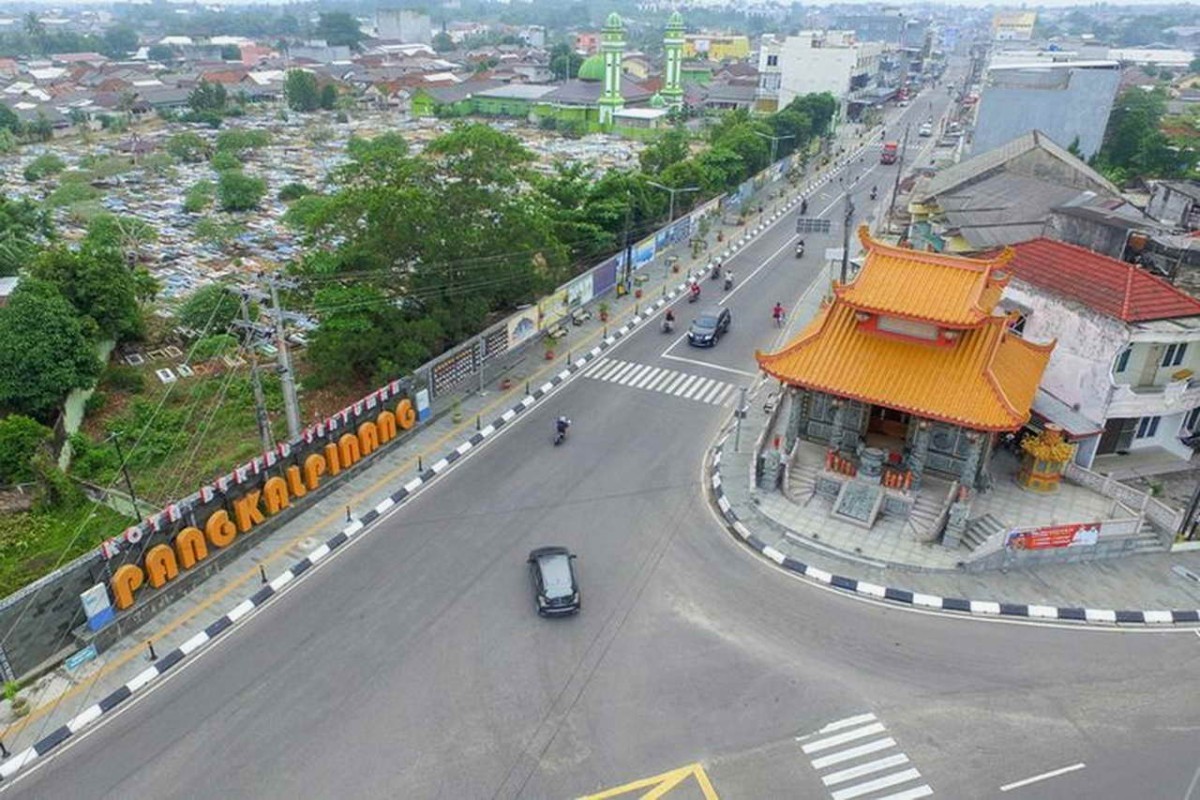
{"points": [[1164, 518], [1153, 401]]}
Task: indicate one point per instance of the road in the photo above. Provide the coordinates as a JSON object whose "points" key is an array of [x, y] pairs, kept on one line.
{"points": [[412, 664]]}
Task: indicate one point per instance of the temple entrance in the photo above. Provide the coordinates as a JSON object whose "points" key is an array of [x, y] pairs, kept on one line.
{"points": [[889, 423]]}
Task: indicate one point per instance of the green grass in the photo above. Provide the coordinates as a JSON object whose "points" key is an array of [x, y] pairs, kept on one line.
{"points": [[36, 542]]}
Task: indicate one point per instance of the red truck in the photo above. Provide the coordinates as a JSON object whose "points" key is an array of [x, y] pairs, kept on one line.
{"points": [[888, 154]]}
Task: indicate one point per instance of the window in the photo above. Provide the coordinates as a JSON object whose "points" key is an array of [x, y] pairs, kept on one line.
{"points": [[1123, 360], [772, 61], [1191, 423], [1147, 427], [1016, 324], [1173, 357]]}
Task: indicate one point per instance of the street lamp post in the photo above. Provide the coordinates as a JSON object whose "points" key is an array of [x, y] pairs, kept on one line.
{"points": [[116, 440], [671, 213], [775, 140]]}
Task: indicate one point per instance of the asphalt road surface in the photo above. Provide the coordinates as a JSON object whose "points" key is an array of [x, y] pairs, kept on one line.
{"points": [[413, 665]]}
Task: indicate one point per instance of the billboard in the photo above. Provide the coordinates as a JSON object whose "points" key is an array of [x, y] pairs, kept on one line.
{"points": [[1053, 536]]}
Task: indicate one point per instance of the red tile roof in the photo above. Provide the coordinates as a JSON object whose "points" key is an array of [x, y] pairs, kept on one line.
{"points": [[1112, 287]]}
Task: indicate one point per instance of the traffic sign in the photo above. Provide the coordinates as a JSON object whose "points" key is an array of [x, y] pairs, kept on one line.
{"points": [[812, 225]]}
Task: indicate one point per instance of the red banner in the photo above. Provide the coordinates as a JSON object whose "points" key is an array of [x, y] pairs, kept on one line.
{"points": [[1072, 535]]}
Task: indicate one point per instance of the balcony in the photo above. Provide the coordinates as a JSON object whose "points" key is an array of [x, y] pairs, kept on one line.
{"points": [[1154, 401]]}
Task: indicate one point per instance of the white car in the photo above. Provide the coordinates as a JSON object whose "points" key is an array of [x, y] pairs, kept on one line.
{"points": [[925, 130]]}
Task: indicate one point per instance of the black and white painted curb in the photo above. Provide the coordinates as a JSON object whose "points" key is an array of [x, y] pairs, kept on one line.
{"points": [[354, 528], [988, 608]]}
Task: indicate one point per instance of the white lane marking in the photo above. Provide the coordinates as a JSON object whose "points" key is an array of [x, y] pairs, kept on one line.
{"points": [[878, 765], [720, 398], [713, 391], [597, 366], [848, 722], [626, 367], [680, 377], [661, 381], [842, 738], [910, 794], [766, 262], [877, 784], [637, 372], [853, 752], [607, 366], [706, 365], [683, 387], [1054, 773], [700, 387], [649, 377]]}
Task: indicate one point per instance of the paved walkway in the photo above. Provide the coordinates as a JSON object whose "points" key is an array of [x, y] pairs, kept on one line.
{"points": [[60, 697], [807, 535]]}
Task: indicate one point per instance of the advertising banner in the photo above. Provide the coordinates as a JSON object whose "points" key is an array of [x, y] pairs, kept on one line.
{"points": [[643, 252], [1053, 536], [552, 308], [522, 325], [604, 277], [579, 291]]}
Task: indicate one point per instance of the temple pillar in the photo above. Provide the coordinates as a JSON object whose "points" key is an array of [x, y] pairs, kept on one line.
{"points": [[839, 418], [796, 416], [970, 467], [919, 454]]}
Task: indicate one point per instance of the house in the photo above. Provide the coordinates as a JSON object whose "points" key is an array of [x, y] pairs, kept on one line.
{"points": [[1176, 203], [1123, 376], [1004, 196]]}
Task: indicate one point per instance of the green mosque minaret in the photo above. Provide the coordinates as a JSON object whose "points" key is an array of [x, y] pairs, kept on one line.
{"points": [[672, 90], [612, 48]]}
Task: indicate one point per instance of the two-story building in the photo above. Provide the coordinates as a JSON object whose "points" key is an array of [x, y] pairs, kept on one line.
{"points": [[1125, 375], [813, 62]]}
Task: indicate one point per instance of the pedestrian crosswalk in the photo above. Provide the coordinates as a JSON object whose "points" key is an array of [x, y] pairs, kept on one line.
{"points": [[856, 758], [665, 381]]}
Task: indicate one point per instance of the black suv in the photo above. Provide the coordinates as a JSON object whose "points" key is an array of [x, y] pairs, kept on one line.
{"points": [[555, 590], [707, 328]]}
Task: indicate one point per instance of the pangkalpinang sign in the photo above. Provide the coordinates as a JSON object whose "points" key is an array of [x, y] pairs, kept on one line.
{"points": [[249, 499]]}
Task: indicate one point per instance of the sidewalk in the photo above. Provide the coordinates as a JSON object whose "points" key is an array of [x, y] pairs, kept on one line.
{"points": [[65, 701], [1126, 590]]}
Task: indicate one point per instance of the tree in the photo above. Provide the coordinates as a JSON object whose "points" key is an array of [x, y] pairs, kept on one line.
{"points": [[670, 147], [301, 90], [162, 53], [231, 52], [1134, 143], [329, 96], [43, 351], [238, 140], [339, 28], [238, 191], [120, 41], [124, 234], [564, 61], [211, 310], [9, 121], [208, 97], [20, 440], [442, 43], [188, 147], [24, 227], [42, 166], [96, 282], [293, 191]]}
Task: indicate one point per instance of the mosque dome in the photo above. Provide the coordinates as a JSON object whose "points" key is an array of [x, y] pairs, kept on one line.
{"points": [[613, 21], [592, 69], [675, 20], [657, 101]]}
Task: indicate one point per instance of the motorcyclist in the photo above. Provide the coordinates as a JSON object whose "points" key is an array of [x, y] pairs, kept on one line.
{"points": [[695, 290], [561, 425], [716, 270], [777, 313], [874, 192], [800, 248], [669, 321], [803, 206], [728, 280]]}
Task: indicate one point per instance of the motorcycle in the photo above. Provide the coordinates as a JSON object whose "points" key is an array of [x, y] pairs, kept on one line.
{"points": [[716, 272], [874, 193], [799, 251], [728, 282], [694, 295], [668, 325], [560, 432]]}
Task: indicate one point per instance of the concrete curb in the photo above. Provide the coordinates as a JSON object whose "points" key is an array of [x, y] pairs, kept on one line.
{"points": [[907, 597], [164, 664]]}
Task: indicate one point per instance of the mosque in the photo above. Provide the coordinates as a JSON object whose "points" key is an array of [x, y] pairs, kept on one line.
{"points": [[600, 98]]}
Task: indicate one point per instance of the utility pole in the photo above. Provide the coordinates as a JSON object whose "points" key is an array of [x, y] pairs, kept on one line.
{"points": [[116, 440], [291, 405], [260, 400], [899, 172], [848, 221], [625, 242], [671, 213]]}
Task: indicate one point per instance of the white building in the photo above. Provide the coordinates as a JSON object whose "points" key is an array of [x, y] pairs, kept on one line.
{"points": [[817, 61], [403, 25], [1125, 373]]}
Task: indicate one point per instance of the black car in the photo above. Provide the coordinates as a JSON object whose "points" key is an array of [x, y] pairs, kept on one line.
{"points": [[555, 590], [707, 328]]}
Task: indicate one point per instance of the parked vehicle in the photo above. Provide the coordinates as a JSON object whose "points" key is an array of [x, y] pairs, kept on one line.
{"points": [[555, 587]]}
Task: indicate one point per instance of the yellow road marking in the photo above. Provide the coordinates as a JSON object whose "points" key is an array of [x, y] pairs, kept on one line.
{"points": [[407, 465], [659, 785]]}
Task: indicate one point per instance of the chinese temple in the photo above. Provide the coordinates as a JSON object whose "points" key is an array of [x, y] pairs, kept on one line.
{"points": [[910, 370]]}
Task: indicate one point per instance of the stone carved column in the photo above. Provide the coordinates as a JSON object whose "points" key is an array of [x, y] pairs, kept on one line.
{"points": [[919, 454], [971, 464], [839, 417], [796, 416]]}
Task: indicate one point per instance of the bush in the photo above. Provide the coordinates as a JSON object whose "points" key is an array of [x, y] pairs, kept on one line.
{"points": [[43, 165], [71, 192], [96, 402], [20, 440], [226, 161], [199, 196], [238, 191], [236, 141], [123, 378], [212, 346], [293, 191], [342, 118]]}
